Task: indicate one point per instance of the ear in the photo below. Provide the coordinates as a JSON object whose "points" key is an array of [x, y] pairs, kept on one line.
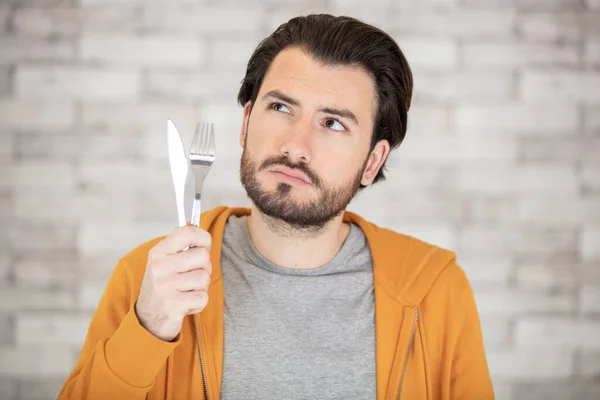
{"points": [[376, 159], [247, 109]]}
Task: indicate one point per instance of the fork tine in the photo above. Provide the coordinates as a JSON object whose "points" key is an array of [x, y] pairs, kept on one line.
{"points": [[204, 138], [211, 141], [195, 140]]}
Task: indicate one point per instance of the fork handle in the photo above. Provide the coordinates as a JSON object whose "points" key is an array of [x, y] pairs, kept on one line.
{"points": [[196, 210]]}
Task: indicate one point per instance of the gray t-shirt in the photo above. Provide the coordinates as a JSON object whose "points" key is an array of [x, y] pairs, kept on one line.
{"points": [[297, 334]]}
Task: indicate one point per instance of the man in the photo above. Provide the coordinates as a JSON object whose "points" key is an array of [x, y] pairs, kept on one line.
{"points": [[295, 297]]}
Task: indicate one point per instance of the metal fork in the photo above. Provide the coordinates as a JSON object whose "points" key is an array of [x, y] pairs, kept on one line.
{"points": [[202, 157]]}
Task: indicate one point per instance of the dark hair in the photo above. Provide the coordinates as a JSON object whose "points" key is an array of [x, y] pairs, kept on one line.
{"points": [[343, 41]]}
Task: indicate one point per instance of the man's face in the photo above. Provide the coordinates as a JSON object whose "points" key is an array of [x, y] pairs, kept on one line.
{"points": [[306, 140]]}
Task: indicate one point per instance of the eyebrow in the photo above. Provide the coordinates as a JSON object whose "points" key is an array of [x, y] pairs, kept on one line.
{"points": [[344, 113]]}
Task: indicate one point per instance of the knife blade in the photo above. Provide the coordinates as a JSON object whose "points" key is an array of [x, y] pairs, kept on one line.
{"points": [[179, 169]]}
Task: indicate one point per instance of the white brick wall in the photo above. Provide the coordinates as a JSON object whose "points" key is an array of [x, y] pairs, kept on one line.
{"points": [[500, 162]]}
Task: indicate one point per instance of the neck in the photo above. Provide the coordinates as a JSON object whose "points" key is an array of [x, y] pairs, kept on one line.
{"points": [[290, 247]]}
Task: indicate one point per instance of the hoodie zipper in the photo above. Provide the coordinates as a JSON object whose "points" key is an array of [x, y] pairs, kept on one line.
{"points": [[204, 382], [410, 345]]}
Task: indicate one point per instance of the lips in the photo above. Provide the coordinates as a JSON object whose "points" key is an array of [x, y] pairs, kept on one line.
{"points": [[294, 173]]}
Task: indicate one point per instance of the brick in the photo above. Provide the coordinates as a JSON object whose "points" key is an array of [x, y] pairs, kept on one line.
{"points": [[529, 363], [9, 389], [114, 143], [5, 12], [117, 239], [59, 205], [559, 332], [6, 146], [49, 146], [592, 53], [554, 212], [591, 177], [517, 118], [419, 207], [420, 176], [589, 299], [6, 329], [5, 82], [5, 269], [590, 208], [495, 330], [58, 328], [489, 209], [480, 270], [41, 389], [70, 22], [148, 204], [560, 86], [463, 87], [46, 271], [551, 149], [109, 204], [509, 302], [479, 146], [231, 53], [480, 23], [45, 173], [589, 245], [211, 21], [427, 54], [122, 175], [89, 293], [566, 389], [60, 82], [430, 147], [427, 119], [33, 361], [590, 22], [550, 26], [589, 364], [17, 49], [525, 242], [546, 276], [145, 114], [190, 85], [29, 114], [590, 151], [511, 55], [499, 178], [148, 50], [593, 4], [46, 22], [24, 239], [549, 5], [20, 299]]}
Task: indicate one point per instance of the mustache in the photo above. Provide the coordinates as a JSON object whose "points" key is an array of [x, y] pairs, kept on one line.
{"points": [[283, 160]]}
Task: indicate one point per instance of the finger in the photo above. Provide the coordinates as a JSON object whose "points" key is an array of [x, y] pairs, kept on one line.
{"points": [[194, 300], [183, 237], [182, 262], [192, 280]]}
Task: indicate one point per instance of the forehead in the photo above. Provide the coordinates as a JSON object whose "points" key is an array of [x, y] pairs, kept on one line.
{"points": [[299, 75]]}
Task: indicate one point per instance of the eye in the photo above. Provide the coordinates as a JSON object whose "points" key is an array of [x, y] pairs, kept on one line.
{"points": [[279, 107], [334, 124]]}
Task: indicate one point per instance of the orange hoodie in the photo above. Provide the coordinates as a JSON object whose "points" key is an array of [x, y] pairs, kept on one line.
{"points": [[428, 336]]}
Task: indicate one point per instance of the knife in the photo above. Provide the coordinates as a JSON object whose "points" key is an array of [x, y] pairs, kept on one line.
{"points": [[179, 169]]}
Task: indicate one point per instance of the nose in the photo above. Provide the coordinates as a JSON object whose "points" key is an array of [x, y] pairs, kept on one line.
{"points": [[296, 144]]}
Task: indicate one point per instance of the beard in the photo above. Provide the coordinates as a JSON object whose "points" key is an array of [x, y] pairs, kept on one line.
{"points": [[279, 205]]}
